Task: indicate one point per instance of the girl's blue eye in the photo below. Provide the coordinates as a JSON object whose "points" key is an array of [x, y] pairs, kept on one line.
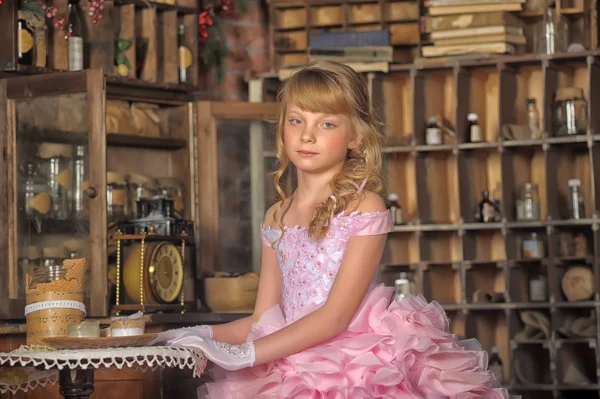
{"points": [[294, 121], [328, 125]]}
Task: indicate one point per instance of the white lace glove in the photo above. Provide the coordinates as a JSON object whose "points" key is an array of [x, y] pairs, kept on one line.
{"points": [[204, 331], [230, 357]]}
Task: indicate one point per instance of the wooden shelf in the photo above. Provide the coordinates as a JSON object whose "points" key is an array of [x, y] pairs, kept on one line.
{"points": [[160, 143], [158, 6]]}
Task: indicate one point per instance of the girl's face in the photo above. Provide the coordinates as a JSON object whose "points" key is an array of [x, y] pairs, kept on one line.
{"points": [[316, 142]]}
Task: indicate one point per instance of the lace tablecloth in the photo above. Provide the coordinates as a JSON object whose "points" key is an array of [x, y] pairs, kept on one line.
{"points": [[41, 367]]}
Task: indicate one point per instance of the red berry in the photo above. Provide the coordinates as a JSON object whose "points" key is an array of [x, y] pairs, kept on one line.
{"points": [[94, 21], [54, 9], [44, 6], [101, 6], [100, 16]]}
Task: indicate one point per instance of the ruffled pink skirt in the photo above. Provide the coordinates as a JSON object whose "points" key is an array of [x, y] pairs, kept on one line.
{"points": [[403, 350]]}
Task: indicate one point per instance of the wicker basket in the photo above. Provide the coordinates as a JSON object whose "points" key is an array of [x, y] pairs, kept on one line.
{"points": [[231, 294]]}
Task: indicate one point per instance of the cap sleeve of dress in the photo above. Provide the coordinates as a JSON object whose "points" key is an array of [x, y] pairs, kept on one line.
{"points": [[373, 223]]}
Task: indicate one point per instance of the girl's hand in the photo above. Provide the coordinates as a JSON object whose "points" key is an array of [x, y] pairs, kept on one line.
{"points": [[228, 356], [204, 331]]}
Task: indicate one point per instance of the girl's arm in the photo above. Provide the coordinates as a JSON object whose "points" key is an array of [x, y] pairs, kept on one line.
{"points": [[362, 256], [269, 294]]}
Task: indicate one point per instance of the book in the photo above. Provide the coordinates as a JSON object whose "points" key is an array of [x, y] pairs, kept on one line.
{"points": [[360, 67], [483, 48], [480, 30], [330, 40], [474, 8], [353, 54], [513, 39], [451, 3], [462, 21]]}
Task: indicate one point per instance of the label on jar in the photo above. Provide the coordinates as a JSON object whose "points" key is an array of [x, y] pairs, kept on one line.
{"points": [[185, 57], [537, 289], [397, 217], [488, 213], [25, 41], [532, 248], [65, 179], [433, 136], [75, 53]]}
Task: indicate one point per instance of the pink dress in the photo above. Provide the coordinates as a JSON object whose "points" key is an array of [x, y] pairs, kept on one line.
{"points": [[398, 350]]}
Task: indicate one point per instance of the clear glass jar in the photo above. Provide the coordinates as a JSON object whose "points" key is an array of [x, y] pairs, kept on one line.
{"points": [[46, 274], [53, 256], [532, 246], [35, 202], [56, 167], [30, 256], [570, 112], [576, 200], [116, 195], [551, 33], [528, 202]]}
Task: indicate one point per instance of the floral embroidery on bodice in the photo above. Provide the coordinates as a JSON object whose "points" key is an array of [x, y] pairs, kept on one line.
{"points": [[308, 268]]}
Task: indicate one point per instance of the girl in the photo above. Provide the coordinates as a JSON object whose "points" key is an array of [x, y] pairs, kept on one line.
{"points": [[321, 326]]}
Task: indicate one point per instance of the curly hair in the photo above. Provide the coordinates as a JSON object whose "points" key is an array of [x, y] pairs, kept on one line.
{"points": [[333, 88]]}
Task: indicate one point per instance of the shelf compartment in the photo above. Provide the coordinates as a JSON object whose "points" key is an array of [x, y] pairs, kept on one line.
{"points": [[576, 363], [561, 75], [490, 328], [577, 284], [485, 283], [566, 163], [484, 246], [402, 249], [572, 244], [484, 100], [531, 364], [440, 247], [519, 281], [479, 170], [442, 283], [435, 95], [530, 324], [575, 324], [440, 202], [401, 174], [519, 166], [392, 98]]}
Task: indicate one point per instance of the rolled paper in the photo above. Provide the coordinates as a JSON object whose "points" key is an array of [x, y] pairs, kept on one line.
{"points": [[85, 329]]}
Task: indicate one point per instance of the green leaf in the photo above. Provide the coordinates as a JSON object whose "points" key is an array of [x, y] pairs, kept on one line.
{"points": [[126, 62], [123, 44], [33, 6]]}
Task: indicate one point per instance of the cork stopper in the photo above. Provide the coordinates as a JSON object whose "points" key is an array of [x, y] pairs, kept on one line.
{"points": [[53, 150]]}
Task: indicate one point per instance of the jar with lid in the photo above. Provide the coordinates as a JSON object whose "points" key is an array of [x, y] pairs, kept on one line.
{"points": [[138, 187], [570, 112], [45, 274], [56, 166], [53, 256], [29, 256], [116, 195], [433, 132], [576, 200], [532, 246], [403, 286], [395, 208], [552, 32], [474, 133], [528, 202], [34, 201]]}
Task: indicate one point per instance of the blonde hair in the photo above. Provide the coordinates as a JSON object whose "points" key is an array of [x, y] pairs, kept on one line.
{"points": [[333, 88]]}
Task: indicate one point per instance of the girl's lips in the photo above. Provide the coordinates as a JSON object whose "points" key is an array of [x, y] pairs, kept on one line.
{"points": [[307, 153]]}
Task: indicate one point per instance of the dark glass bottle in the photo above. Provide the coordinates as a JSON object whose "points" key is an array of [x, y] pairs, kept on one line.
{"points": [[25, 42], [486, 211], [495, 365]]}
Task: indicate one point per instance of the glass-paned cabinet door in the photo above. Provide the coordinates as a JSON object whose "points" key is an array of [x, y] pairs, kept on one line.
{"points": [[53, 179], [231, 184]]}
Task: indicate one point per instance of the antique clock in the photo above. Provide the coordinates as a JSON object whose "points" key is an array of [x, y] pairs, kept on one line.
{"points": [[162, 272]]}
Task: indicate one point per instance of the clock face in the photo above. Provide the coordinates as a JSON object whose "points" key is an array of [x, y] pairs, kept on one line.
{"points": [[166, 272]]}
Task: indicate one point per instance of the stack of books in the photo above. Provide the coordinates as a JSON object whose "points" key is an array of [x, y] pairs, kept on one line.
{"points": [[473, 27], [351, 47]]}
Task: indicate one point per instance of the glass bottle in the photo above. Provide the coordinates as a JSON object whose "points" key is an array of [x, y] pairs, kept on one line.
{"points": [[25, 42], [537, 288], [486, 211], [475, 134], [80, 198], [433, 133], [495, 365], [403, 286], [528, 203], [56, 165], [533, 119], [551, 34], [75, 36], [395, 208], [184, 55], [576, 200], [116, 195]]}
